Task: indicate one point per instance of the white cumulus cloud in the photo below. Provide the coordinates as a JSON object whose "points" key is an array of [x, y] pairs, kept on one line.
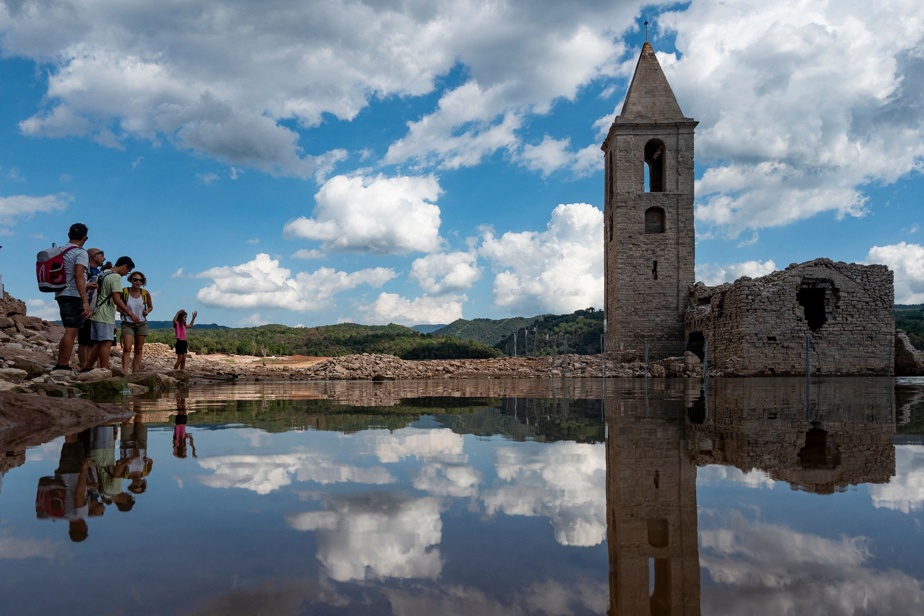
{"points": [[376, 214], [450, 272], [263, 283], [558, 270], [907, 262], [800, 104], [23, 206], [393, 308]]}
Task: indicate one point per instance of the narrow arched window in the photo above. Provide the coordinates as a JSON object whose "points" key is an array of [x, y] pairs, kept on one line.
{"points": [[654, 220], [654, 166]]}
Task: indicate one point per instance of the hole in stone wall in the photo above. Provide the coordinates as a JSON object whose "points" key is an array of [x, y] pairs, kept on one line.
{"points": [[654, 270], [696, 343], [817, 298]]}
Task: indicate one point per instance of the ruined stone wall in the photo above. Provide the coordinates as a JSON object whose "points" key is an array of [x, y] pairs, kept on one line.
{"points": [[759, 326]]}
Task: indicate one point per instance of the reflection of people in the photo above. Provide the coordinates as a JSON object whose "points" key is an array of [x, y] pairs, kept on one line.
{"points": [[72, 470], [133, 451], [139, 303], [109, 473], [179, 328], [180, 438]]}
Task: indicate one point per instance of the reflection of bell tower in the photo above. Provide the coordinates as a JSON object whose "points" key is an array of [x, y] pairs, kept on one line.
{"points": [[648, 213], [650, 510]]}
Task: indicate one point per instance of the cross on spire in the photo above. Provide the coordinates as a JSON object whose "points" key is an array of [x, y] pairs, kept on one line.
{"points": [[646, 30]]}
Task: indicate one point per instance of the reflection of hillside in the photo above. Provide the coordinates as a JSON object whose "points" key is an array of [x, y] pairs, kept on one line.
{"points": [[535, 419], [388, 393], [840, 437], [909, 408]]}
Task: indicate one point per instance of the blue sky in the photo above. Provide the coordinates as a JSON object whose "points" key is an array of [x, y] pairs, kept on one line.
{"points": [[377, 162]]}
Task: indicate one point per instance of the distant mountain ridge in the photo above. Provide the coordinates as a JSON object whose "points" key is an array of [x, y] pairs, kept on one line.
{"points": [[169, 325], [485, 331], [427, 329]]}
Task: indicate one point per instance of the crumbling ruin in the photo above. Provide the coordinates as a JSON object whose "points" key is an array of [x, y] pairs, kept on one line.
{"points": [[834, 316]]}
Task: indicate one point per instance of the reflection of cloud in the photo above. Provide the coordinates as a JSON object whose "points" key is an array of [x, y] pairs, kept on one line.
{"points": [[407, 442], [544, 597], [905, 491], [15, 548], [716, 474], [378, 535], [565, 482], [442, 479], [265, 474], [554, 598], [762, 568]]}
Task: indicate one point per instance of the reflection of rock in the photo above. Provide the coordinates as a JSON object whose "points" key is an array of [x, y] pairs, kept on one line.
{"points": [[27, 420], [376, 535]]}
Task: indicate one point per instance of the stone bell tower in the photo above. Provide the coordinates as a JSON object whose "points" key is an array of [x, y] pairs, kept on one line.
{"points": [[648, 215]]}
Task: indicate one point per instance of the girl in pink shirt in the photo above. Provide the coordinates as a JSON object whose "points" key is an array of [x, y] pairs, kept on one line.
{"points": [[179, 328]]}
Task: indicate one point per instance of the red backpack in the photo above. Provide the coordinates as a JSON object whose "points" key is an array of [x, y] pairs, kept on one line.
{"points": [[49, 498], [49, 268]]}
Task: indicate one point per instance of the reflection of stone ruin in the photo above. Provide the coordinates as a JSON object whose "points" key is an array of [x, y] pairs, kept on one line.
{"points": [[835, 435], [842, 437], [841, 311]]}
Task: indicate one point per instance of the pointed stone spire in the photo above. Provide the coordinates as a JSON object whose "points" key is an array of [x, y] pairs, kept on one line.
{"points": [[649, 95]]}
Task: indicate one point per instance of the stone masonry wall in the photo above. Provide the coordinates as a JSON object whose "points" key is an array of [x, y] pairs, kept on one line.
{"points": [[758, 326]]}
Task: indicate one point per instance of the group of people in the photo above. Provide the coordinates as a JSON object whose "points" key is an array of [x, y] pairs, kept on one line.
{"points": [[89, 304]]}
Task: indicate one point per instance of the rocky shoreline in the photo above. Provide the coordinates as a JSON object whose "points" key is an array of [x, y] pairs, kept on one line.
{"points": [[28, 348]]}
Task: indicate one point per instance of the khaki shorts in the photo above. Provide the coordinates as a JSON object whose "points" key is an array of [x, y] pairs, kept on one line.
{"points": [[134, 329]]}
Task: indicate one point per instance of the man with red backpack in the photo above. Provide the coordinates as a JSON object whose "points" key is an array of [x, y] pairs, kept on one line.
{"points": [[72, 299]]}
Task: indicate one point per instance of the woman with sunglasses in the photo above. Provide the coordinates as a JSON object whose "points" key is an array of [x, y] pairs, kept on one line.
{"points": [[138, 301]]}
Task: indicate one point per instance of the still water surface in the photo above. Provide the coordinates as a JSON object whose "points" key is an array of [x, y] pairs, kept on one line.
{"points": [[491, 497]]}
